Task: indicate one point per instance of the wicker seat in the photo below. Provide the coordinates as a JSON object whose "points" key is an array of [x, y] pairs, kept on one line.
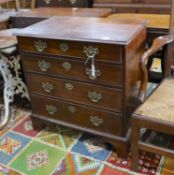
{"points": [[160, 106]]}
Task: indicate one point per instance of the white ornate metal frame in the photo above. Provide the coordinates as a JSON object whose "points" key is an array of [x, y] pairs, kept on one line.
{"points": [[13, 84]]}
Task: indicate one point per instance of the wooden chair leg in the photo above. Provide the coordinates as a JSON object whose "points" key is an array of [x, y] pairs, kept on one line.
{"points": [[135, 135]]}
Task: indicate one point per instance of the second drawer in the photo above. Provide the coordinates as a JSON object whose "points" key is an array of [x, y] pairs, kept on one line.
{"points": [[105, 73]]}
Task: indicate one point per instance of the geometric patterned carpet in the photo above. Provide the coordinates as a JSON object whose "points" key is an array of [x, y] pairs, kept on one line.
{"points": [[62, 151], [58, 150]]}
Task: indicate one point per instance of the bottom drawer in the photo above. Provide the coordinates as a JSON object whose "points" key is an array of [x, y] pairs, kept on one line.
{"points": [[83, 116]]}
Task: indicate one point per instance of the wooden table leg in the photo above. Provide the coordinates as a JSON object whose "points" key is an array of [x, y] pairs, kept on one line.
{"points": [[135, 135]]}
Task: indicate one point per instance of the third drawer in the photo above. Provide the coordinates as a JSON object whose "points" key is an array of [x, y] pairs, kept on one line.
{"points": [[78, 92]]}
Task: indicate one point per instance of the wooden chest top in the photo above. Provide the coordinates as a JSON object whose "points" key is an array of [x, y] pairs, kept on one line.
{"points": [[85, 71], [84, 29]]}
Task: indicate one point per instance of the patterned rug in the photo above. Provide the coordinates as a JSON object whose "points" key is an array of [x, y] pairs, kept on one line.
{"points": [[59, 150]]}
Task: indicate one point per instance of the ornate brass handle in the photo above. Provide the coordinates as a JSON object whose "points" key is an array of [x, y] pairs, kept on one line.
{"points": [[73, 1], [47, 1], [96, 121], [66, 66], [48, 87], [94, 96], [51, 109], [91, 52], [69, 86], [64, 47], [40, 45], [44, 66], [89, 73], [72, 109]]}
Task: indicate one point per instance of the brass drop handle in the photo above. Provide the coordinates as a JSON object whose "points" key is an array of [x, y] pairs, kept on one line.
{"points": [[94, 96], [66, 66], [51, 109], [47, 87], [43, 65], [73, 2], [69, 86], [89, 73], [40, 45], [96, 121], [91, 52], [47, 1], [64, 47], [72, 109]]}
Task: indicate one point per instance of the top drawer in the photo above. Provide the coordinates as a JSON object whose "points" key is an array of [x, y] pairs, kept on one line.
{"points": [[100, 51]]}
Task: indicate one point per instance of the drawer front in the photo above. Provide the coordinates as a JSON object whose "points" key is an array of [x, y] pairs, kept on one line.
{"points": [[74, 114], [142, 10], [125, 10], [105, 73], [111, 1], [60, 3], [84, 93], [153, 11], [105, 52], [152, 1]]}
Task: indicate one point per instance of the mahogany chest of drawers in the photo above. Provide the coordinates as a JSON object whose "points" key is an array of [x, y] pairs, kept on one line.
{"points": [[84, 73]]}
